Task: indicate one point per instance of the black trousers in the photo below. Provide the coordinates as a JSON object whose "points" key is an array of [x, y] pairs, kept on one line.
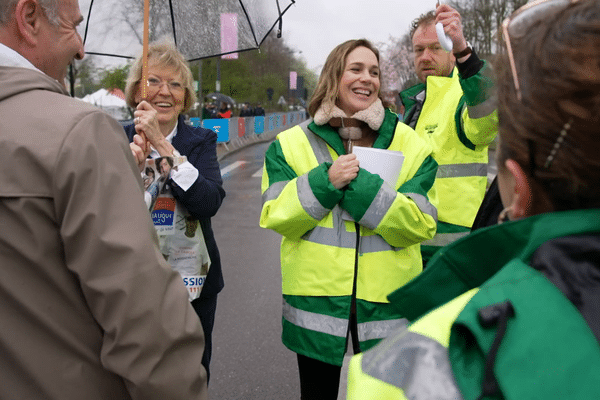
{"points": [[206, 308], [318, 380]]}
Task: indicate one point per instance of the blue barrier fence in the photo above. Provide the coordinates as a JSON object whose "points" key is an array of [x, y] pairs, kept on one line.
{"points": [[232, 128]]}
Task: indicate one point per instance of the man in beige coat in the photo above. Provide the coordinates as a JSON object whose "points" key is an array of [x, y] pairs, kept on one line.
{"points": [[89, 309]]}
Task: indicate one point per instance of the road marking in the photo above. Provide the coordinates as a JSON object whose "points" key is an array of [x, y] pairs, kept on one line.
{"points": [[233, 166], [258, 174]]}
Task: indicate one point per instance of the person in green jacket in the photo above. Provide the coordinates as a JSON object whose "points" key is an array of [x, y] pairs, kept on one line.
{"points": [[349, 237], [454, 109], [512, 311]]}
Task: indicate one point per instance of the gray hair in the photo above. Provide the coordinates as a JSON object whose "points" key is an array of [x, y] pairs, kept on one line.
{"points": [[50, 7]]}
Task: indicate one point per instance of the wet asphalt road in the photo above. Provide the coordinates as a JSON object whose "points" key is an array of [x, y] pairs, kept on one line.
{"points": [[249, 361]]}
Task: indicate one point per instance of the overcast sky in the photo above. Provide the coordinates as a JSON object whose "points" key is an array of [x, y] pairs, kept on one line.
{"points": [[315, 27]]}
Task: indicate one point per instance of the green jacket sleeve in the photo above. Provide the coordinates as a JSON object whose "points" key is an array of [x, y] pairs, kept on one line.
{"points": [[292, 205], [476, 117]]}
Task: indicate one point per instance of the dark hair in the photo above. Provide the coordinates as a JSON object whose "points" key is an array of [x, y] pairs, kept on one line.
{"points": [[558, 67], [329, 81], [424, 19], [149, 171], [158, 161]]}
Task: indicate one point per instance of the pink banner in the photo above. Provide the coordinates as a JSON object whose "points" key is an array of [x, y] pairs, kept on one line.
{"points": [[229, 36], [293, 80], [241, 127]]}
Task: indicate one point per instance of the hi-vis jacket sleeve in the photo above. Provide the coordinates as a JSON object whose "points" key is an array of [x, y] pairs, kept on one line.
{"points": [[478, 118], [292, 204], [403, 217]]}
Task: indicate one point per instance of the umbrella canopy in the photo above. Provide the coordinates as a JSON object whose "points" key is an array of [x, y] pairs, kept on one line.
{"points": [[220, 98], [199, 28]]}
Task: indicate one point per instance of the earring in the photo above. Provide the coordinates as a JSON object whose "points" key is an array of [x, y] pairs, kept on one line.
{"points": [[504, 215]]}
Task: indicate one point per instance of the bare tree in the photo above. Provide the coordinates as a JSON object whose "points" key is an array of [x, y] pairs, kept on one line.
{"points": [[482, 20], [397, 67]]}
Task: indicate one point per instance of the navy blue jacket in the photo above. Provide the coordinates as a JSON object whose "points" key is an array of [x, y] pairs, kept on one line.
{"points": [[205, 196]]}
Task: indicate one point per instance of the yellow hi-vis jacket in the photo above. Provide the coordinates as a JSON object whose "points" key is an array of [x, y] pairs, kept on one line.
{"points": [[521, 327], [329, 261], [459, 118]]}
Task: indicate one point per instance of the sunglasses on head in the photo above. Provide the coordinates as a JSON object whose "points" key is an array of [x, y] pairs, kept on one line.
{"points": [[517, 25]]}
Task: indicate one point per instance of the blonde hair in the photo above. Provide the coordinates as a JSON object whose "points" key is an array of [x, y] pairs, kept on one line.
{"points": [[327, 88], [163, 54]]}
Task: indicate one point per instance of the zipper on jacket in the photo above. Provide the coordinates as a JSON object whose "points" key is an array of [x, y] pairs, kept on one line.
{"points": [[353, 321]]}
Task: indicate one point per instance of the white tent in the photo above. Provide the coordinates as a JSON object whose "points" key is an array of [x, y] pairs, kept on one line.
{"points": [[111, 104]]}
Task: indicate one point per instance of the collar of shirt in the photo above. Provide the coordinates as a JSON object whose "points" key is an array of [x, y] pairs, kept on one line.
{"points": [[10, 58], [154, 153]]}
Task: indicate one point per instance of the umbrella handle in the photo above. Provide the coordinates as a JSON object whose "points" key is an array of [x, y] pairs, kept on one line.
{"points": [[145, 49], [279, 29]]}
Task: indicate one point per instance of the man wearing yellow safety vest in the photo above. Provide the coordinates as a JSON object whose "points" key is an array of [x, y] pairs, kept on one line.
{"points": [[453, 108]]}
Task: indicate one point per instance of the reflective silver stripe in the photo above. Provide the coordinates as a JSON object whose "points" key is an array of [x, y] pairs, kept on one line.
{"points": [[379, 329], [338, 236], [414, 363], [484, 109], [307, 198], [424, 205], [461, 170], [273, 191], [379, 206], [347, 240], [315, 322], [444, 239], [318, 145]]}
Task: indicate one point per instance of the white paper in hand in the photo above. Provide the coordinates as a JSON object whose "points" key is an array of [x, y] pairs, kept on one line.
{"points": [[385, 163]]}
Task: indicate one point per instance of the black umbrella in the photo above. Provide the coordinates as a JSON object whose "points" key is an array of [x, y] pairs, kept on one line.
{"points": [[220, 98], [115, 28]]}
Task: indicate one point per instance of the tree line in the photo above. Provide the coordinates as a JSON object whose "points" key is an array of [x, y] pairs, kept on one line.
{"points": [[246, 79]]}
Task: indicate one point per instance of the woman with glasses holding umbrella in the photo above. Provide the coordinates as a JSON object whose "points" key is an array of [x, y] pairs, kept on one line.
{"points": [[518, 304], [159, 130]]}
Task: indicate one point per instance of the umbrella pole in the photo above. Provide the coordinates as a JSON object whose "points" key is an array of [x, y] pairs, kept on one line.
{"points": [[145, 49]]}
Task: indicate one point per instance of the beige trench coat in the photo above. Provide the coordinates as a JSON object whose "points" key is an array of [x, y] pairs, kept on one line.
{"points": [[89, 309]]}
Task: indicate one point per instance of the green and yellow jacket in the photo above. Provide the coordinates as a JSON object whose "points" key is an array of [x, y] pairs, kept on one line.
{"points": [[509, 312], [329, 262], [457, 114]]}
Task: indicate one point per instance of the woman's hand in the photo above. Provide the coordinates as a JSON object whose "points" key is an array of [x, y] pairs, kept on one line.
{"points": [[146, 125], [140, 149], [343, 170]]}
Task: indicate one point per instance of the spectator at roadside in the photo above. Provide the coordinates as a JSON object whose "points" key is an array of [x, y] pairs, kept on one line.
{"points": [[224, 111], [209, 111], [259, 111], [88, 306], [454, 109], [246, 111]]}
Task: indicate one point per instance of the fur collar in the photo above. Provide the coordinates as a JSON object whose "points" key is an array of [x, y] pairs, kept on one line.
{"points": [[373, 115]]}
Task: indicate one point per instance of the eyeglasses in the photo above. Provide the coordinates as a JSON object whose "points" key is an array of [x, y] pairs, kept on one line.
{"points": [[517, 24], [156, 84]]}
